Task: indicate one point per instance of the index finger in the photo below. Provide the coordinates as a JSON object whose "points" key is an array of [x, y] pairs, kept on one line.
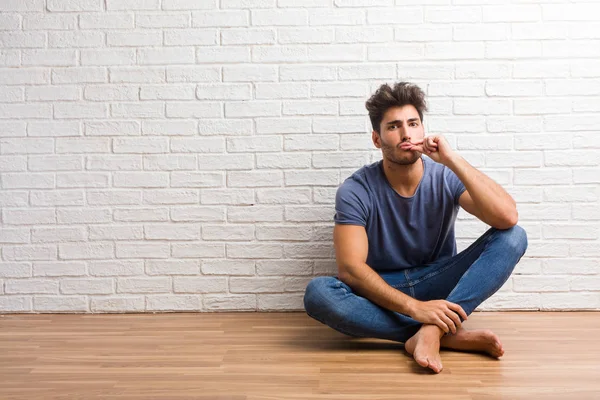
{"points": [[458, 309]]}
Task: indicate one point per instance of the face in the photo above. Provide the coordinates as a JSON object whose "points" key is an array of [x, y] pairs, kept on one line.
{"points": [[399, 124]]}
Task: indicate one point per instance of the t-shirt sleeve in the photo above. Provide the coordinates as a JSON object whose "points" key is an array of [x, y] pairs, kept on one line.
{"points": [[455, 185], [351, 204]]}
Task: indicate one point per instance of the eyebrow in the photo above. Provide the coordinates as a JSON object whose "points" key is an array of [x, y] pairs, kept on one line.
{"points": [[396, 121]]}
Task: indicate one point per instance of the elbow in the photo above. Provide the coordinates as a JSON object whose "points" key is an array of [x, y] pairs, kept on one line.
{"points": [[508, 221]]}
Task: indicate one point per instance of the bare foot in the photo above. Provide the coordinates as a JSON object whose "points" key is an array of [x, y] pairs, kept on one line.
{"points": [[474, 340], [425, 347]]}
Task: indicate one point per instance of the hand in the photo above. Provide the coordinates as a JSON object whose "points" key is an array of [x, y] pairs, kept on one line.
{"points": [[438, 312], [436, 147]]}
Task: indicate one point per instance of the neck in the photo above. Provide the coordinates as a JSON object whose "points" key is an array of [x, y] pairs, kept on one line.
{"points": [[403, 178]]}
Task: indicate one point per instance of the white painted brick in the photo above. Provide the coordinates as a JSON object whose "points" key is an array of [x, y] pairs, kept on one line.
{"points": [[141, 214], [309, 250], [309, 213], [193, 109], [472, 70], [314, 142], [173, 303], [174, 128], [586, 213], [196, 37], [507, 124], [570, 301], [570, 194], [87, 286], [13, 163], [339, 125], [565, 87], [253, 144], [78, 75], [221, 302], [307, 72], [162, 20], [425, 33], [560, 123], [255, 285], [305, 35], [546, 176], [113, 162], [224, 91], [255, 214], [227, 196], [141, 250], [115, 268], [27, 145], [45, 93], [583, 30], [453, 14], [28, 181], [54, 304], [569, 12], [481, 32], [254, 250], [30, 110], [248, 36], [458, 124], [229, 54], [586, 175], [15, 270], [10, 22], [570, 231], [227, 232], [59, 268], [282, 232], [197, 179], [336, 53], [277, 161], [195, 145], [198, 213], [198, 250], [106, 21], [223, 127], [113, 197], [57, 198], [137, 74], [193, 74], [29, 252], [132, 4], [77, 39], [513, 49], [140, 145], [540, 141], [254, 178], [144, 285], [513, 159], [379, 71], [572, 266], [571, 158], [117, 304], [375, 34], [61, 58], [140, 179], [10, 58], [252, 109], [512, 301], [283, 267], [249, 73], [17, 39], [537, 30], [116, 232], [353, 89], [17, 235], [467, 106], [80, 110], [310, 107], [111, 92], [138, 110], [82, 145], [81, 215], [228, 267], [225, 162], [268, 302], [13, 128], [199, 285], [220, 18], [166, 56], [320, 178], [393, 51], [172, 231], [172, 267], [187, 5], [134, 38], [336, 17], [107, 57], [112, 128], [13, 198], [162, 162], [22, 5]]}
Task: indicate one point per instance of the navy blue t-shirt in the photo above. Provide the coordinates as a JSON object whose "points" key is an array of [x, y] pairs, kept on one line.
{"points": [[403, 232]]}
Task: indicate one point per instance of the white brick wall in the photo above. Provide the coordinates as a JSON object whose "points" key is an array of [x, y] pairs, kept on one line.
{"points": [[183, 155]]}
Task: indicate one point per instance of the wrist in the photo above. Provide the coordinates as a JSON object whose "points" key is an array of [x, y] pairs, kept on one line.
{"points": [[411, 306]]}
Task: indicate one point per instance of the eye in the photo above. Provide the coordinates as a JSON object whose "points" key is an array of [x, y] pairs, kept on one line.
{"points": [[392, 127]]}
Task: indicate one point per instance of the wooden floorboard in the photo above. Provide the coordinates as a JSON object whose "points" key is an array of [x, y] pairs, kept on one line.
{"points": [[274, 356]]}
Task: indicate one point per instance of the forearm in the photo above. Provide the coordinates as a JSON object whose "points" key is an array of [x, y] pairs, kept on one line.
{"points": [[365, 282], [495, 204]]}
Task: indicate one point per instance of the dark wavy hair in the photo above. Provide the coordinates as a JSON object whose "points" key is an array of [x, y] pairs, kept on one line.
{"points": [[401, 94]]}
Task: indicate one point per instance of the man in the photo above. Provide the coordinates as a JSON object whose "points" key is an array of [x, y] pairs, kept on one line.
{"points": [[399, 274]]}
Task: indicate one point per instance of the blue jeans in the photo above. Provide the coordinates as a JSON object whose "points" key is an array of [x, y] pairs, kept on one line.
{"points": [[467, 279]]}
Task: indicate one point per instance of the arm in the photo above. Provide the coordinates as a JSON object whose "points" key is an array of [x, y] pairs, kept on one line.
{"points": [[484, 198], [351, 249]]}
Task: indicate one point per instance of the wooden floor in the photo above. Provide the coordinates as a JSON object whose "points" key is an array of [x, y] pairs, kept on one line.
{"points": [[273, 356]]}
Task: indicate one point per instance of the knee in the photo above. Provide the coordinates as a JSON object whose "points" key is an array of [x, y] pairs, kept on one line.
{"points": [[317, 294], [515, 240]]}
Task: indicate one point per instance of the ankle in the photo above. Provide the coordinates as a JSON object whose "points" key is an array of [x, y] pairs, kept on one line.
{"points": [[432, 330]]}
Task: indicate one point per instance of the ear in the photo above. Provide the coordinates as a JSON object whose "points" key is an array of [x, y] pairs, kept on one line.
{"points": [[376, 139]]}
